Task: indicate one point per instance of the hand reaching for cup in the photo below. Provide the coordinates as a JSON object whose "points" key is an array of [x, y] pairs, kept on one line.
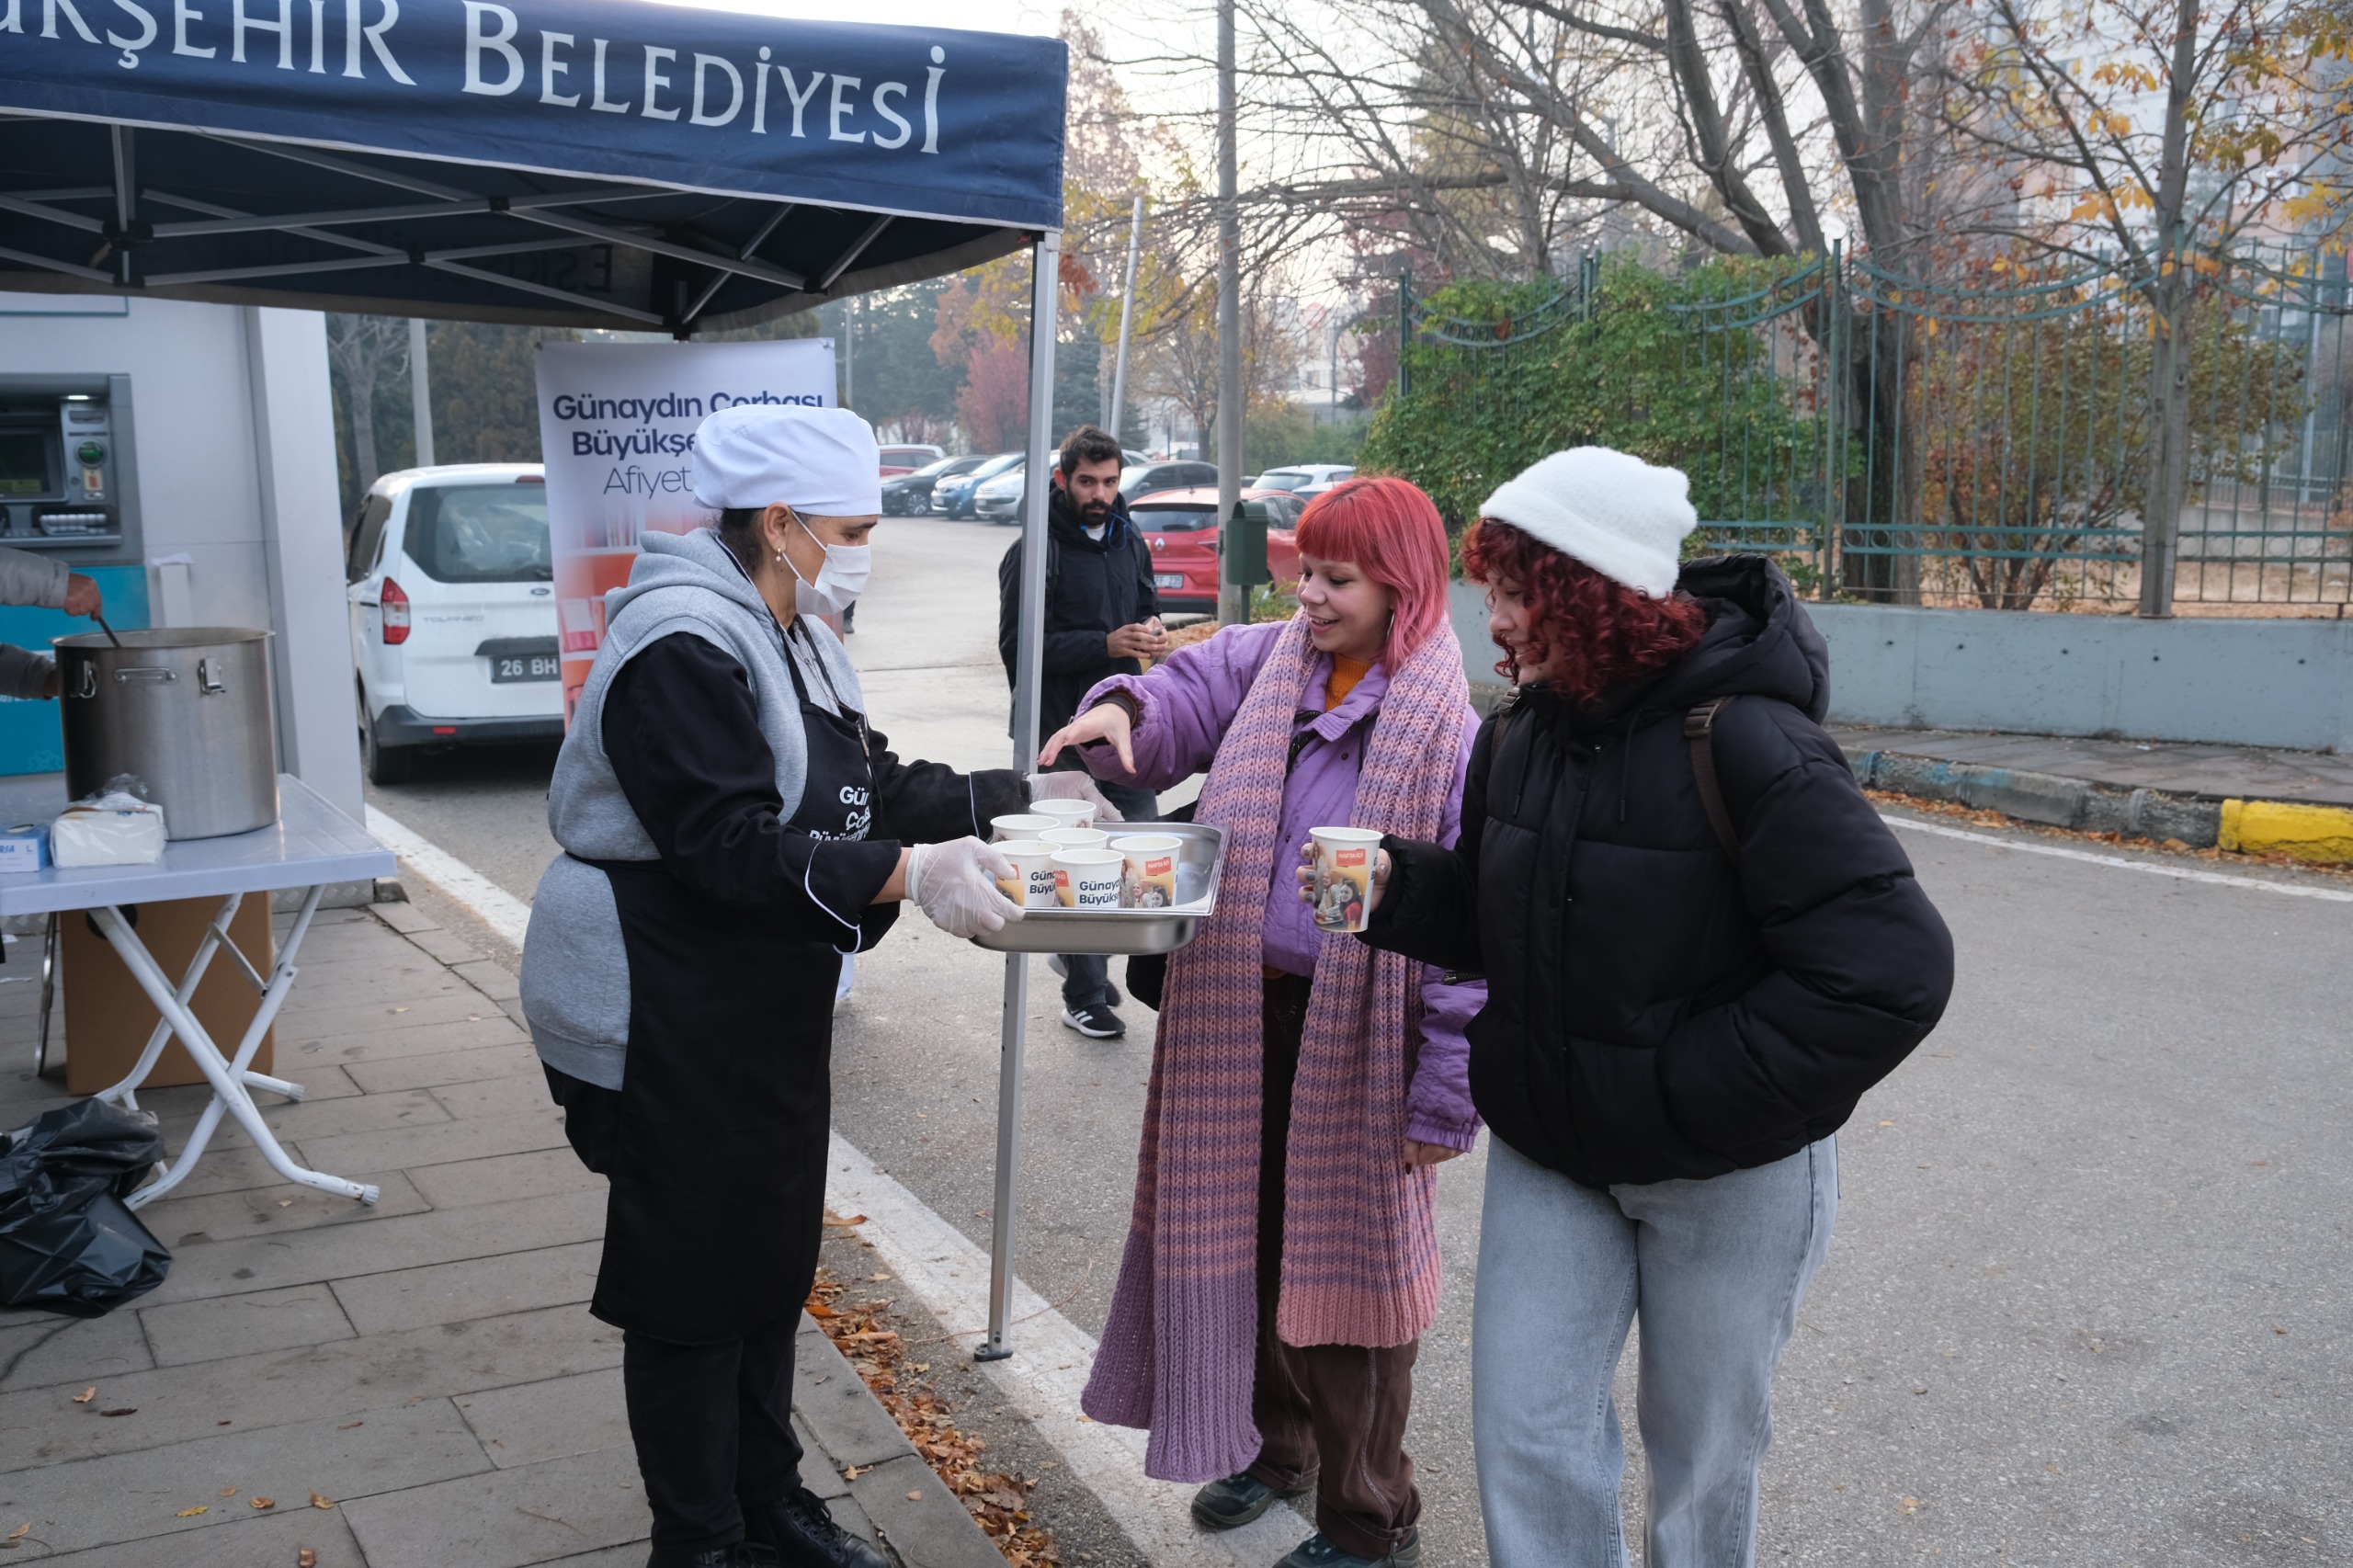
{"points": [[1104, 722], [1068, 786]]}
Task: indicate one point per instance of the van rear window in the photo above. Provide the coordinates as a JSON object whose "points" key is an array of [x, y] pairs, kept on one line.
{"points": [[481, 533]]}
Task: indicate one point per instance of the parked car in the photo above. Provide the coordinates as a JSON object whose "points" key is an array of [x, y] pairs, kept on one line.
{"points": [[953, 497], [997, 499], [451, 585], [910, 494], [1139, 480], [1307, 480], [902, 459], [1180, 527]]}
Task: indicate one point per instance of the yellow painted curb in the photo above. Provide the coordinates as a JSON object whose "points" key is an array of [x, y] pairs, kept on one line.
{"points": [[2319, 834]]}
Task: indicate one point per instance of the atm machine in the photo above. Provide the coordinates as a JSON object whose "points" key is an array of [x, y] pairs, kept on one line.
{"points": [[69, 488]]}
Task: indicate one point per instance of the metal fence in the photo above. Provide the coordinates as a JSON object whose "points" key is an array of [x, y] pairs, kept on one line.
{"points": [[1985, 438]]}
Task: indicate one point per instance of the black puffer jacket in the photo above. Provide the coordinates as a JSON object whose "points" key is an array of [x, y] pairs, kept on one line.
{"points": [[1655, 1010]]}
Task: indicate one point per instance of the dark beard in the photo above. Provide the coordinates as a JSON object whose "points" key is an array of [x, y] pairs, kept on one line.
{"points": [[1093, 512]]}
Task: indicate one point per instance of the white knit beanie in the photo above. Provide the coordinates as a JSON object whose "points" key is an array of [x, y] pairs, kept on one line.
{"points": [[1609, 509]]}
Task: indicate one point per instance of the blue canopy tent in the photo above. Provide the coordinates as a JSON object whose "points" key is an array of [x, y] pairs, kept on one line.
{"points": [[595, 164]]}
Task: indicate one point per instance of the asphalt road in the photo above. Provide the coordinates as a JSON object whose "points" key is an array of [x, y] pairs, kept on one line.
{"points": [[2087, 1301]]}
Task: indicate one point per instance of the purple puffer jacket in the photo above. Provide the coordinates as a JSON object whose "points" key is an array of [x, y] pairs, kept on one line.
{"points": [[1184, 708]]}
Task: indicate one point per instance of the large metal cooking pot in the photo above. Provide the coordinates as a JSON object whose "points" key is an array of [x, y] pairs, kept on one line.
{"points": [[187, 710]]}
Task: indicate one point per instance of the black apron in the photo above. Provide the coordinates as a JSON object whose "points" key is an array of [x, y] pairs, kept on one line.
{"points": [[718, 1161]]}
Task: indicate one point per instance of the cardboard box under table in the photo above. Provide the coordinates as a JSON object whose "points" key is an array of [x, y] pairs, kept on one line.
{"points": [[311, 847], [108, 1019]]}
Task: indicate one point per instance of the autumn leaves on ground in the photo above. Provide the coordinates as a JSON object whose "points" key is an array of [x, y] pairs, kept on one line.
{"points": [[998, 1502]]}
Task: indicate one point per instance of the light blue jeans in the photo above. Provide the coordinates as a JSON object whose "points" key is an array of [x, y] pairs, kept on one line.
{"points": [[1716, 1269]]}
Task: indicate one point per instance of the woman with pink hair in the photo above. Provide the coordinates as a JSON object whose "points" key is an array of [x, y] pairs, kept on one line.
{"points": [[1281, 1262]]}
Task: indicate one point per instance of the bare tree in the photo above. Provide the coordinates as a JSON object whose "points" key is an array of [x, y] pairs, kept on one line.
{"points": [[367, 351]]}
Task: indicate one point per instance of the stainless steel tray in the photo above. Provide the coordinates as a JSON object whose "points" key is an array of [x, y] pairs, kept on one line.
{"points": [[1200, 861]]}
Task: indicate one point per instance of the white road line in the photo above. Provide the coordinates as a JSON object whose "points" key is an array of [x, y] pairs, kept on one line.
{"points": [[2150, 867], [1052, 1357], [500, 910]]}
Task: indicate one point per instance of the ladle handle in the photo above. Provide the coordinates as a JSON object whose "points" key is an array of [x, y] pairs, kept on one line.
{"points": [[105, 627]]}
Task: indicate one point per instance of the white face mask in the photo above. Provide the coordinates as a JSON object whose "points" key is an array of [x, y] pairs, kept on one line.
{"points": [[840, 581]]}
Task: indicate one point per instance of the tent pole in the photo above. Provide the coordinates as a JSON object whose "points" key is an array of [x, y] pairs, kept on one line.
{"points": [[1029, 657], [420, 392]]}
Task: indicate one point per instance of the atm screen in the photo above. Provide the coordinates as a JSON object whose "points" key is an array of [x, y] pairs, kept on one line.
{"points": [[24, 463]]}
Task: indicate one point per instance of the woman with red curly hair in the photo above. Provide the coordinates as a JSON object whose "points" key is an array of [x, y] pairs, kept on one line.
{"points": [[1282, 1262], [1701, 947]]}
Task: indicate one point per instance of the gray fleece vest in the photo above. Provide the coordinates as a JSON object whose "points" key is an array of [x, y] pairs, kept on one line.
{"points": [[575, 971]]}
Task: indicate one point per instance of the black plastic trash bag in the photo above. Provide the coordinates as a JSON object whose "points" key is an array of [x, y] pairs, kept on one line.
{"points": [[68, 1242]]}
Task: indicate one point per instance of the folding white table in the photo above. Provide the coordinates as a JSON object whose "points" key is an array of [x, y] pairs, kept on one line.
{"points": [[312, 847]]}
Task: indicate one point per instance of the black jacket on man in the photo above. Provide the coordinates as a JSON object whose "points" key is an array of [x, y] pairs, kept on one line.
{"points": [[1093, 588], [1654, 1008]]}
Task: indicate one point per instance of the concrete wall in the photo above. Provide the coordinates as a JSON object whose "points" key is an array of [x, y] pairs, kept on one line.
{"points": [[236, 457], [2261, 683]]}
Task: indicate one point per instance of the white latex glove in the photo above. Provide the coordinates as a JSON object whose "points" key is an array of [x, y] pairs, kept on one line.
{"points": [[1073, 787], [955, 885]]}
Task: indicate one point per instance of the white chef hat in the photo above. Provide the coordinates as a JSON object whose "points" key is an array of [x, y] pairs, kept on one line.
{"points": [[821, 461]]}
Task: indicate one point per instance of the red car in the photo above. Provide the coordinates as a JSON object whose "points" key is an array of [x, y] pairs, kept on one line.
{"points": [[1181, 529]]}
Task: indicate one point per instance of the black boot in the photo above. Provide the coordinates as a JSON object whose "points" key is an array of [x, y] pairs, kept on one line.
{"points": [[802, 1534]]}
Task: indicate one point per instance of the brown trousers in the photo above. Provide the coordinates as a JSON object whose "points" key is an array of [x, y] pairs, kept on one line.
{"points": [[1333, 1415]]}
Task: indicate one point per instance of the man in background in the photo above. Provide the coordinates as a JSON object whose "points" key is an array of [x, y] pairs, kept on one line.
{"points": [[1102, 620]]}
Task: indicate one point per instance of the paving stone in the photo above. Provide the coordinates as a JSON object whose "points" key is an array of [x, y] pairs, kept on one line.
{"points": [[517, 1096], [358, 1113], [345, 1379], [238, 1325], [410, 1147], [849, 1424], [40, 1348], [138, 1496], [404, 917], [182, 1223], [506, 1056], [508, 1281], [230, 1167], [340, 1010], [273, 1540], [365, 983], [506, 1176], [932, 1531], [508, 1517], [405, 1241], [492, 980], [446, 947], [818, 1471], [531, 1423], [460, 1022]]}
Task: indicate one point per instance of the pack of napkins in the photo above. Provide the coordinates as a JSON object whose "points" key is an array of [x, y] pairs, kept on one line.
{"points": [[116, 829]]}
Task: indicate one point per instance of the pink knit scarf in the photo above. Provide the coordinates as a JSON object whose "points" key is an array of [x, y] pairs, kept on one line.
{"points": [[1361, 1261]]}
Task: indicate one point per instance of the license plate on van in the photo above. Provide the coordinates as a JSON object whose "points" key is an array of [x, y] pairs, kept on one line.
{"points": [[509, 669]]}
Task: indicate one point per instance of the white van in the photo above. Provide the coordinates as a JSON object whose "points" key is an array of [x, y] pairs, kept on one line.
{"points": [[453, 620]]}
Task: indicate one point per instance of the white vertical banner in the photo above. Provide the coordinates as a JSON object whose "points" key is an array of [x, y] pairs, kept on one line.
{"points": [[616, 433]]}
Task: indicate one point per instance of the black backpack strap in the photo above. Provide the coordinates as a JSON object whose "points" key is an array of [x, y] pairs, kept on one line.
{"points": [[1698, 733]]}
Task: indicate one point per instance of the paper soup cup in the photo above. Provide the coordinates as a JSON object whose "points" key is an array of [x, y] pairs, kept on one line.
{"points": [[1021, 825], [1066, 813], [1088, 879], [1076, 837], [1344, 862], [1032, 883], [1149, 877]]}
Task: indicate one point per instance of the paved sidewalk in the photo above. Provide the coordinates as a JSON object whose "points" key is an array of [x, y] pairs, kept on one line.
{"points": [[428, 1365], [2297, 803]]}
